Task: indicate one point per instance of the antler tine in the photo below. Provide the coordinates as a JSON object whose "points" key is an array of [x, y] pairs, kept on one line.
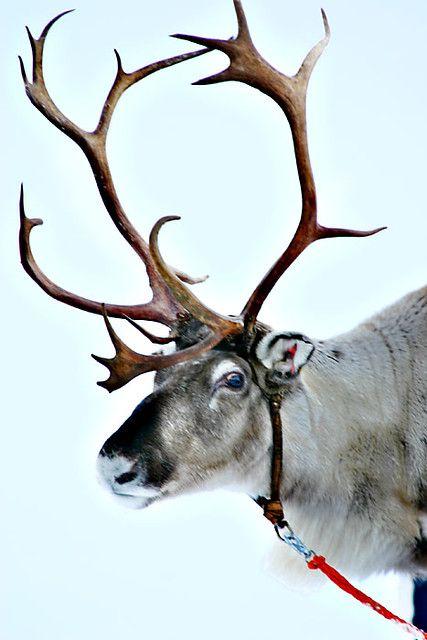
{"points": [[220, 324], [162, 307], [128, 364], [289, 92], [150, 336], [158, 310], [315, 52]]}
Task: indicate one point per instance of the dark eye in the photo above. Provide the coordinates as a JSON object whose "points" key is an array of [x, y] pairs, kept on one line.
{"points": [[234, 380]]}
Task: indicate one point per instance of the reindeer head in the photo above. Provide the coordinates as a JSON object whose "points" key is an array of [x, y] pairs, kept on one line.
{"points": [[204, 423]]}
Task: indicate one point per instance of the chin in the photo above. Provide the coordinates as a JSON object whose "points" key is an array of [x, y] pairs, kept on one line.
{"points": [[132, 501]]}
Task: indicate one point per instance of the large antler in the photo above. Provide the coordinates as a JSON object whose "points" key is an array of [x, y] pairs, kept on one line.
{"points": [[248, 66], [93, 144], [171, 299]]}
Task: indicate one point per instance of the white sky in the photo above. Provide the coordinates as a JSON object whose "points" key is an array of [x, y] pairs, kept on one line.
{"points": [[73, 564]]}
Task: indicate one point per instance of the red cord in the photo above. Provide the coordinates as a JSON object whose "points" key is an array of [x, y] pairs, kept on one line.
{"points": [[319, 562]]}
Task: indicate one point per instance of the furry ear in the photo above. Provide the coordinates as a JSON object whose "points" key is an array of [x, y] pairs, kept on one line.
{"points": [[284, 353]]}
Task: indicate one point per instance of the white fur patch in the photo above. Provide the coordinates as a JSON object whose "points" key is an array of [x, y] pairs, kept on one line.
{"points": [[110, 468], [354, 546], [272, 354], [223, 367], [168, 348]]}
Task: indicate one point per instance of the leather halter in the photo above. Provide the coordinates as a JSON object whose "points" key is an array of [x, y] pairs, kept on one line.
{"points": [[272, 506]]}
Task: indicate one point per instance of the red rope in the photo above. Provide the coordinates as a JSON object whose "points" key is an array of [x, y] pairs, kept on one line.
{"points": [[319, 562]]}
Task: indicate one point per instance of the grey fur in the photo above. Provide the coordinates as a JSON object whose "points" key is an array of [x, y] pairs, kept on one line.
{"points": [[355, 439]]}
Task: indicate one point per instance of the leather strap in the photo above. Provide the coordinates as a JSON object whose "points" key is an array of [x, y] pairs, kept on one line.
{"points": [[273, 509]]}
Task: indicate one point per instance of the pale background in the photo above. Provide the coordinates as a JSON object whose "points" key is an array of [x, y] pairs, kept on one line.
{"points": [[74, 565]]}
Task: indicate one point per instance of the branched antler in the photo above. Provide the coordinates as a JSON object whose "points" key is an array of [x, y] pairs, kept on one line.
{"points": [[162, 307], [171, 299], [128, 364], [248, 66]]}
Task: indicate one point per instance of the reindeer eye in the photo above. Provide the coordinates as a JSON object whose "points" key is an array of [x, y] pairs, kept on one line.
{"points": [[234, 380]]}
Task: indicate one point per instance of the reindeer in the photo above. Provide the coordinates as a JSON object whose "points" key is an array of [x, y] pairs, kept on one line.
{"points": [[354, 409]]}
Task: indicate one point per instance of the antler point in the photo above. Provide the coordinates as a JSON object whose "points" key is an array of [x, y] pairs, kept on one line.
{"points": [[119, 60], [52, 22], [165, 219], [379, 229], [97, 358], [23, 72], [209, 43], [325, 23], [33, 222], [30, 36], [104, 385], [221, 76]]}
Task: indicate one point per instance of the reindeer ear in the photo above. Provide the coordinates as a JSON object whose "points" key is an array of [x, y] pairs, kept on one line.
{"points": [[284, 353]]}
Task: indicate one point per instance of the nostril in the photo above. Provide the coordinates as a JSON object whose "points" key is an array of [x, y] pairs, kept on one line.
{"points": [[126, 477]]}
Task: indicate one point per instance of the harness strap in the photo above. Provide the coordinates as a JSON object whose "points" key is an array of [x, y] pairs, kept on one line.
{"points": [[273, 509]]}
